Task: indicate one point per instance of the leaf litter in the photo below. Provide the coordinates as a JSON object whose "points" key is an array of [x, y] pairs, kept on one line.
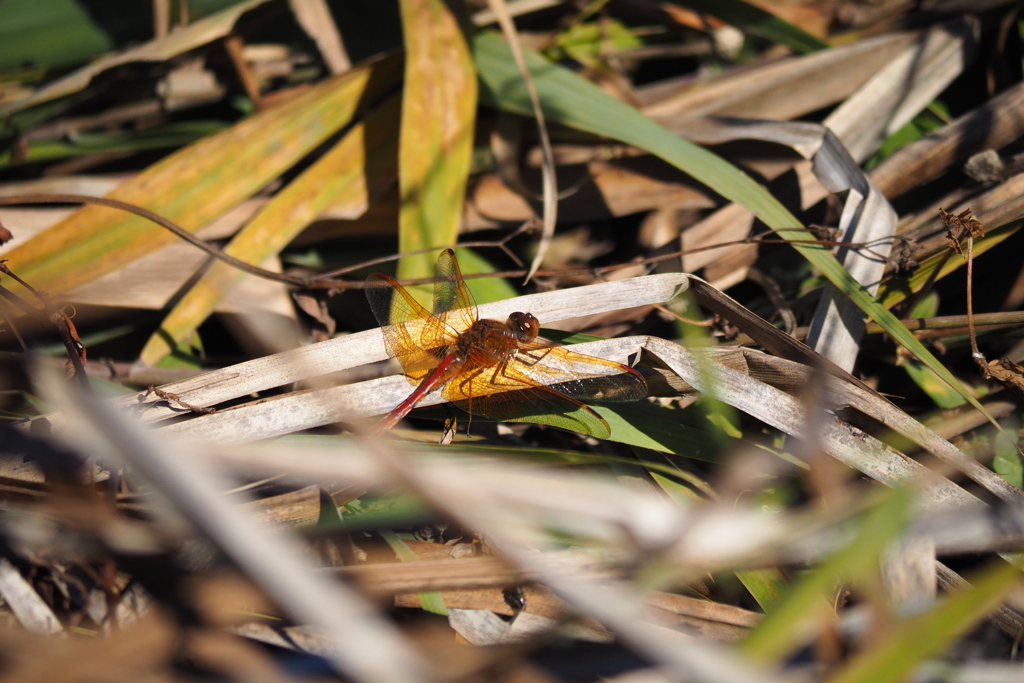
{"points": [[778, 500]]}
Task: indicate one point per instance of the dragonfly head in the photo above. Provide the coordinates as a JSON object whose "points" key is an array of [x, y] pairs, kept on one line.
{"points": [[524, 326]]}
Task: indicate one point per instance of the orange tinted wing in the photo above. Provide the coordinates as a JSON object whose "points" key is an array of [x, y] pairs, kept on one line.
{"points": [[582, 377], [453, 301], [585, 378], [389, 301], [544, 379], [411, 334]]}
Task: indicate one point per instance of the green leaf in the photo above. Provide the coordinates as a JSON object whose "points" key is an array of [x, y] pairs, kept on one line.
{"points": [[185, 353], [766, 585], [908, 643], [791, 621], [681, 494], [569, 99], [664, 429], [587, 42], [439, 102], [432, 601], [1007, 461], [938, 391]]}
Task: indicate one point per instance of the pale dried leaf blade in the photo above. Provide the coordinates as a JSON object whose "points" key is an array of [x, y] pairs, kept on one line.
{"points": [[361, 348], [315, 18], [550, 186], [840, 440], [788, 88], [30, 609], [904, 87], [290, 413]]}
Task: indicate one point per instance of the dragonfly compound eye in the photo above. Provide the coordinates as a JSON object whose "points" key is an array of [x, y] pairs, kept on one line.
{"points": [[524, 326]]}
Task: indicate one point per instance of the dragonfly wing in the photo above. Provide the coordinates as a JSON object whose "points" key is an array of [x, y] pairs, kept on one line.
{"points": [[390, 302], [549, 381], [542, 365], [411, 334], [583, 377], [453, 301]]}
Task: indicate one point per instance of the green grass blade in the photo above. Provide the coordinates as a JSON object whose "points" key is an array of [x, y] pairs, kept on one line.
{"points": [[930, 634], [793, 619], [432, 601], [575, 102], [768, 586]]}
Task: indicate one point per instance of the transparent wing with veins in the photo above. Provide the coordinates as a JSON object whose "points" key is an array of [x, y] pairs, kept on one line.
{"points": [[498, 372], [545, 380], [418, 338]]}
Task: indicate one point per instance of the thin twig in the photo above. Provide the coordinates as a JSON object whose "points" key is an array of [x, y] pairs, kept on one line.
{"points": [[59, 320], [327, 281]]}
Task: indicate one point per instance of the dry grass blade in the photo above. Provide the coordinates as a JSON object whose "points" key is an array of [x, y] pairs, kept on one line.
{"points": [[296, 365], [771, 491], [550, 186], [840, 440], [992, 125], [281, 415], [788, 88], [33, 613], [509, 508], [363, 644], [620, 609], [315, 18], [840, 391], [614, 604], [908, 84]]}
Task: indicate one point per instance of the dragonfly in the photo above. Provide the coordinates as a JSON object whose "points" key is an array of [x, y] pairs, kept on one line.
{"points": [[491, 368]]}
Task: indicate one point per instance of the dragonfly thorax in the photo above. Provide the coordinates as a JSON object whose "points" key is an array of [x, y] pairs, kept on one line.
{"points": [[492, 342]]}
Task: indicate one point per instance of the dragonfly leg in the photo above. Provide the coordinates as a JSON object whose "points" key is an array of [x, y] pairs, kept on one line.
{"points": [[535, 355]]}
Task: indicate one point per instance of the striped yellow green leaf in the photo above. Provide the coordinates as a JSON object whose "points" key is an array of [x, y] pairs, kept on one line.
{"points": [[199, 183], [362, 161], [436, 142]]}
